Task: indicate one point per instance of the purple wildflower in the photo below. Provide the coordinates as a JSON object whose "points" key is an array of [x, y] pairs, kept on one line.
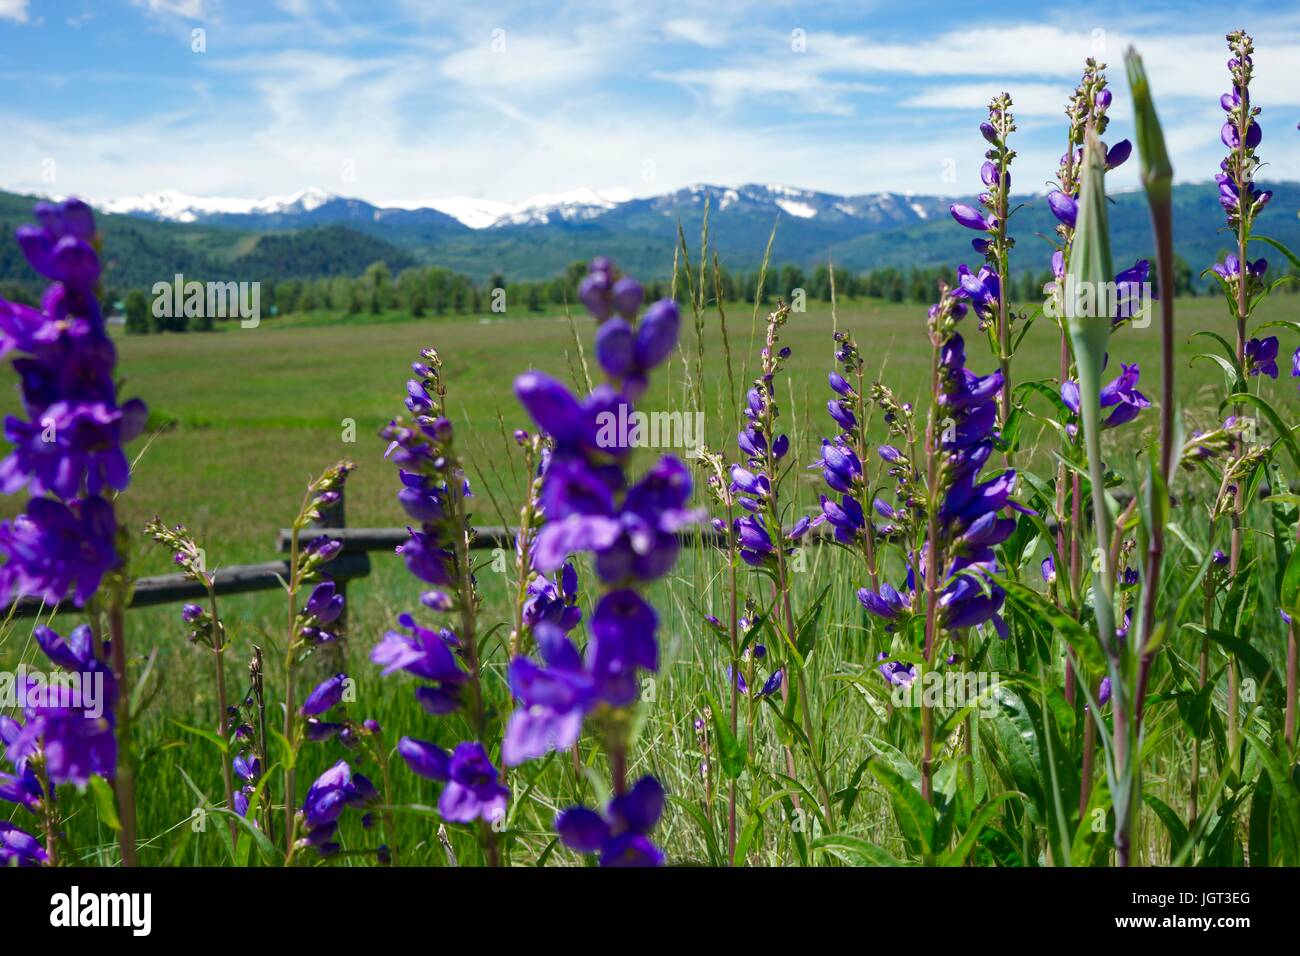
{"points": [[19, 848], [1121, 394], [621, 834], [1261, 356]]}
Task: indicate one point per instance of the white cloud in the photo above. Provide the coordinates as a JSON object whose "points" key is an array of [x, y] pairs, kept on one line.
{"points": [[187, 9], [15, 10], [726, 87], [507, 62], [1029, 99], [695, 31], [1180, 64]]}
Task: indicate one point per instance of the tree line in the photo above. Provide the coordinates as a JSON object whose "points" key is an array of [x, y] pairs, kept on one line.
{"points": [[433, 291]]}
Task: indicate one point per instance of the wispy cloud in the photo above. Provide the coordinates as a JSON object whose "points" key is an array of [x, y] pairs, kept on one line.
{"points": [[699, 32], [189, 9], [15, 10]]}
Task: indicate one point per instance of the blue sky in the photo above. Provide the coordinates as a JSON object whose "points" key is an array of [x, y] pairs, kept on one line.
{"points": [[407, 101]]}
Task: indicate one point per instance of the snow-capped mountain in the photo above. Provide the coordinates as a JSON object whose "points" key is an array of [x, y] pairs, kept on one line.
{"points": [[872, 210], [318, 233], [316, 206], [545, 234], [172, 205], [574, 206]]}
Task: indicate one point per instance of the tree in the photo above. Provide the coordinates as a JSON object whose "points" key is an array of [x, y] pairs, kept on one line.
{"points": [[533, 297], [288, 296], [1184, 278], [377, 287], [137, 313], [791, 279]]}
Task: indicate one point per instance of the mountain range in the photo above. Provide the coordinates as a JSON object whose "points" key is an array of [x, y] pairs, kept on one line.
{"points": [[314, 232]]}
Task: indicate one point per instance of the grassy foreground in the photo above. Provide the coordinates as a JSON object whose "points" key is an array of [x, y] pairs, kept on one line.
{"points": [[255, 413]]}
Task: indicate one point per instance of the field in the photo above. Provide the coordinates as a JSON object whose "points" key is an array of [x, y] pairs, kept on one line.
{"points": [[257, 410], [246, 417]]}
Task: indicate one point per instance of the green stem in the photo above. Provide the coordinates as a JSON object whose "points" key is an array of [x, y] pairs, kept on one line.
{"points": [[218, 656], [124, 782]]}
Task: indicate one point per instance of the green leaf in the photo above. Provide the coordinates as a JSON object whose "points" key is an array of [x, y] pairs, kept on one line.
{"points": [[270, 853], [1231, 374], [288, 757], [1175, 827], [1254, 662], [1285, 795], [1009, 437], [807, 627], [1228, 349], [1279, 324], [1259, 828], [854, 850], [105, 803], [896, 759], [1083, 641], [1285, 433], [696, 814], [746, 838], [1090, 846], [915, 817], [1048, 391], [957, 855], [1279, 247], [1289, 596], [1194, 709], [207, 735], [730, 751]]}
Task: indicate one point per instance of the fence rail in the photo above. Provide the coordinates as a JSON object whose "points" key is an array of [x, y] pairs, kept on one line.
{"points": [[353, 562], [237, 579], [360, 540]]}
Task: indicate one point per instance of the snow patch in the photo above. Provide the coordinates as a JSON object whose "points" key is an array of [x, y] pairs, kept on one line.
{"points": [[800, 210], [176, 206]]}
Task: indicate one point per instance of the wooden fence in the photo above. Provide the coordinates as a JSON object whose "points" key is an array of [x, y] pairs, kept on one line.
{"points": [[352, 562]]}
